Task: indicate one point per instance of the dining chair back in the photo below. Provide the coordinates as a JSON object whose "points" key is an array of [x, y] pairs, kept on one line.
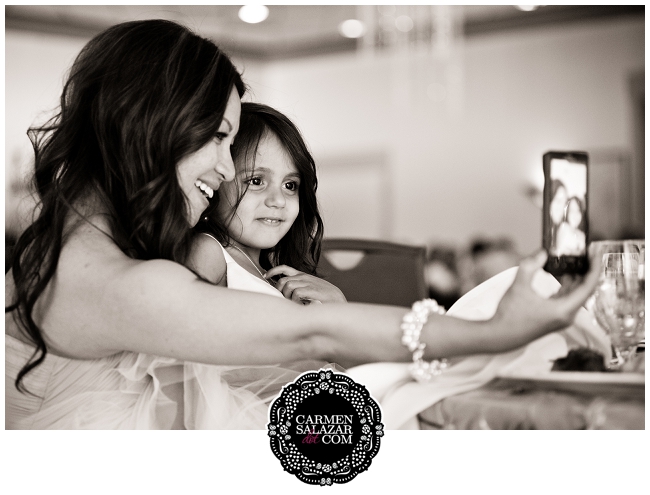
{"points": [[373, 271]]}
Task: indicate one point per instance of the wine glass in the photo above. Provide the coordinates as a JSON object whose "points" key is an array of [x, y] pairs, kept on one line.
{"points": [[619, 299]]}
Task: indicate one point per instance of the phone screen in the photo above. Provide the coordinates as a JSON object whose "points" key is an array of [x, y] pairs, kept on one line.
{"points": [[565, 212]]}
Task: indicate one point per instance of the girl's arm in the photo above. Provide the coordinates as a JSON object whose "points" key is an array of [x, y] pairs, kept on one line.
{"points": [[207, 260], [102, 302]]}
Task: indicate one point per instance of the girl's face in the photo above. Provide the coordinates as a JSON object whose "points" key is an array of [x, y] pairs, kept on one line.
{"points": [[271, 203], [574, 215], [201, 173], [558, 203]]}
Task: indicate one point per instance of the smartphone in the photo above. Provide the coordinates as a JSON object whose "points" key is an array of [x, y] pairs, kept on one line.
{"points": [[565, 223]]}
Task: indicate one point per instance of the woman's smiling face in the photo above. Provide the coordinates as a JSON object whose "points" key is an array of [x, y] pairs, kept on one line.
{"points": [[270, 204], [201, 173]]}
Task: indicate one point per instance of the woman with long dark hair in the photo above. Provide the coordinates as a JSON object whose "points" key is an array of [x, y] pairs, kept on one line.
{"points": [[97, 296]]}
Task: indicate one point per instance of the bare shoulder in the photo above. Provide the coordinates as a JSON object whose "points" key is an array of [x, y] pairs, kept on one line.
{"points": [[98, 289], [206, 258]]}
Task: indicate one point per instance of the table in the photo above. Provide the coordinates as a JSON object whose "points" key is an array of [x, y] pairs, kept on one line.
{"points": [[506, 404]]}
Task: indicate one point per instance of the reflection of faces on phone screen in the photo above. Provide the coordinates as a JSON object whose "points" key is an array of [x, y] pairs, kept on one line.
{"points": [[567, 208]]}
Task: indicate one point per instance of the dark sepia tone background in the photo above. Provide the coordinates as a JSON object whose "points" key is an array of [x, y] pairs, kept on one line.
{"points": [[426, 133]]}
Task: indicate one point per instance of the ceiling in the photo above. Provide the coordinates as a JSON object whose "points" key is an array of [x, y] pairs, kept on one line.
{"points": [[290, 30]]}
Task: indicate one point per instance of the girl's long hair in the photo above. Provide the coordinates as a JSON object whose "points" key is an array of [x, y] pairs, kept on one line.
{"points": [[139, 97], [300, 248]]}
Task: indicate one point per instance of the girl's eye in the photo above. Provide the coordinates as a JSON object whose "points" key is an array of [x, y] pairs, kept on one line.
{"points": [[291, 186], [254, 181], [221, 136]]}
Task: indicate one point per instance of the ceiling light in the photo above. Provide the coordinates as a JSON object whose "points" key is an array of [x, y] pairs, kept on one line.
{"points": [[352, 28], [253, 14], [527, 8], [404, 23]]}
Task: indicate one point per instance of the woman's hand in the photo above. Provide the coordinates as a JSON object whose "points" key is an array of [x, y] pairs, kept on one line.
{"points": [[523, 315], [304, 288]]}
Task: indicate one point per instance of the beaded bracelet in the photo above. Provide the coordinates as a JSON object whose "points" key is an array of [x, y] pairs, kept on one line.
{"points": [[411, 326]]}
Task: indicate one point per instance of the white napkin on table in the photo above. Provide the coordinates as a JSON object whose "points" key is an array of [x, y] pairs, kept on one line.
{"points": [[402, 399]]}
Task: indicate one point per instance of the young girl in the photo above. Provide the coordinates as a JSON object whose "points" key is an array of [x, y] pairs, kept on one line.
{"points": [[265, 223]]}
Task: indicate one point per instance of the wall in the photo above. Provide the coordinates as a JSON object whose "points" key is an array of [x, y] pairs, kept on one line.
{"points": [[35, 66], [451, 169], [458, 166]]}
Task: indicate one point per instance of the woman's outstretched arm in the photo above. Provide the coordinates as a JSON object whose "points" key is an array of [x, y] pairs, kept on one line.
{"points": [[101, 302], [521, 317]]}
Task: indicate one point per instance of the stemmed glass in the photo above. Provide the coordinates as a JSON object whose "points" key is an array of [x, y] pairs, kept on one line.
{"points": [[619, 299]]}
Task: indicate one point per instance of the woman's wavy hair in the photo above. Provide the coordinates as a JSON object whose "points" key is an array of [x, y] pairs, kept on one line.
{"points": [[139, 97], [300, 248]]}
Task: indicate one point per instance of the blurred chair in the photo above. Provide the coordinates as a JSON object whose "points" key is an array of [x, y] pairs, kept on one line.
{"points": [[374, 271]]}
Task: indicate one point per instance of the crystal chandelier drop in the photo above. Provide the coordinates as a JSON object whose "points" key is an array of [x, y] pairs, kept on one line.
{"points": [[410, 27], [425, 45]]}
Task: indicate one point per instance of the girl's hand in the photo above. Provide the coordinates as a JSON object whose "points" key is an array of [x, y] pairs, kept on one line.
{"points": [[303, 288], [523, 315]]}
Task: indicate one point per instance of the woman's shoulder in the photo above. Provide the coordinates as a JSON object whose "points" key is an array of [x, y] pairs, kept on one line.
{"points": [[90, 256], [95, 284], [89, 244]]}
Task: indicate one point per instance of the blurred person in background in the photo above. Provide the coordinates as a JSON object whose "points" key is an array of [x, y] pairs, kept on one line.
{"points": [[441, 275], [484, 259]]}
